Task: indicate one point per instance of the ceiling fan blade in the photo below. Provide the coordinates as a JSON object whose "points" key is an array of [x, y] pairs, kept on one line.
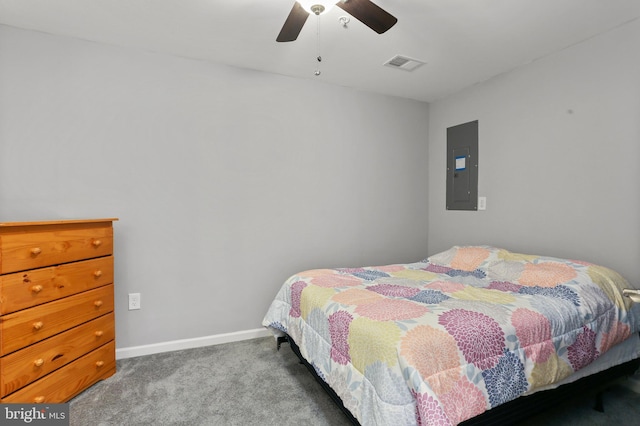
{"points": [[368, 13], [294, 23]]}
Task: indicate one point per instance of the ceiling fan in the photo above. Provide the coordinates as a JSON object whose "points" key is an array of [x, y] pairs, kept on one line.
{"points": [[364, 11]]}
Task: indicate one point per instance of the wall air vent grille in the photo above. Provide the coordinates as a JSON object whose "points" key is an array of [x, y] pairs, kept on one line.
{"points": [[404, 63]]}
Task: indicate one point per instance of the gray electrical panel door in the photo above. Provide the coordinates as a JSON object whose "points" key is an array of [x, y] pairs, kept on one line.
{"points": [[462, 166]]}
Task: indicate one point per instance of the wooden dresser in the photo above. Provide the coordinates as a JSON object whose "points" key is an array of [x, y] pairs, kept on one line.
{"points": [[57, 328]]}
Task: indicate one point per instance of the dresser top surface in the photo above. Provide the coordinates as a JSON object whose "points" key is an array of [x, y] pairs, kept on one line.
{"points": [[55, 222]]}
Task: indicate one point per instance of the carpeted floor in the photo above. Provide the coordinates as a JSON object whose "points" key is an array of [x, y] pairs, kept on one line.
{"points": [[250, 383], [242, 383]]}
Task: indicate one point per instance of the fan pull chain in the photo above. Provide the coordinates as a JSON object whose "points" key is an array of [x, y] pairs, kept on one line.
{"points": [[319, 58]]}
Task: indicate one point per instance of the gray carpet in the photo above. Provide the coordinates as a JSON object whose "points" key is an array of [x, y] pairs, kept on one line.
{"points": [[242, 383], [250, 383]]}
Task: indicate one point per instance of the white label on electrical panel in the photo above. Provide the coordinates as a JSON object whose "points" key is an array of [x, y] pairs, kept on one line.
{"points": [[461, 163]]}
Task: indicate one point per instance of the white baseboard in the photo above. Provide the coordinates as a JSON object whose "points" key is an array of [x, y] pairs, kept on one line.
{"points": [[196, 342]]}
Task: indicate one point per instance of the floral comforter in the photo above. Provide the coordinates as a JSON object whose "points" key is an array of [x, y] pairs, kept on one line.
{"points": [[443, 340]]}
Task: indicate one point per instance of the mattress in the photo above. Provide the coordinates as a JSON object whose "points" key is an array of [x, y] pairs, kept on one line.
{"points": [[405, 343]]}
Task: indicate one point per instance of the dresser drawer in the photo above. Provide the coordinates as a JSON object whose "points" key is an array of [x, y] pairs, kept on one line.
{"points": [[22, 328], [28, 247], [66, 382], [29, 364], [23, 290]]}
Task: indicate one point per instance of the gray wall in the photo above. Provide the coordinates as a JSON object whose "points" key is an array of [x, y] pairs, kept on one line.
{"points": [[226, 181], [559, 156]]}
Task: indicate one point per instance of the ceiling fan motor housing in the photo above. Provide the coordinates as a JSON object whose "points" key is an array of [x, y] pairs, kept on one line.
{"points": [[317, 9]]}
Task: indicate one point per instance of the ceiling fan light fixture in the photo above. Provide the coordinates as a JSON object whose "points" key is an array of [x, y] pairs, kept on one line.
{"points": [[317, 7]]}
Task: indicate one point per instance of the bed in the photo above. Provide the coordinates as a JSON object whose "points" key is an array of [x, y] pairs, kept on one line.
{"points": [[405, 344]]}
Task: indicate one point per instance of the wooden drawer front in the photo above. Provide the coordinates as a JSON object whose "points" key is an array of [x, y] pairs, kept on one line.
{"points": [[22, 328], [23, 290], [23, 248], [29, 364], [68, 381]]}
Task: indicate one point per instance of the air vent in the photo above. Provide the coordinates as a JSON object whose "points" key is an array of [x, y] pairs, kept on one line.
{"points": [[404, 63]]}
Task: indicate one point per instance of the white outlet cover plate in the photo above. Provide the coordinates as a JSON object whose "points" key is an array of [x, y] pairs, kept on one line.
{"points": [[134, 301], [482, 203]]}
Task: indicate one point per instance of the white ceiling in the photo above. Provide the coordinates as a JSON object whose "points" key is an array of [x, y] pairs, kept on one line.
{"points": [[463, 42]]}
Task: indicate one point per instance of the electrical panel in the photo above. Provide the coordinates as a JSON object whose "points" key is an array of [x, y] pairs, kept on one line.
{"points": [[462, 166]]}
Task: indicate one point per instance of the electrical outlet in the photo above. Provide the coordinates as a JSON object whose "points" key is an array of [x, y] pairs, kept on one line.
{"points": [[134, 301], [482, 203]]}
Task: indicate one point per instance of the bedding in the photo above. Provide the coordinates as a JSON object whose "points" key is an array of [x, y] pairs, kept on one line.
{"points": [[404, 344]]}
